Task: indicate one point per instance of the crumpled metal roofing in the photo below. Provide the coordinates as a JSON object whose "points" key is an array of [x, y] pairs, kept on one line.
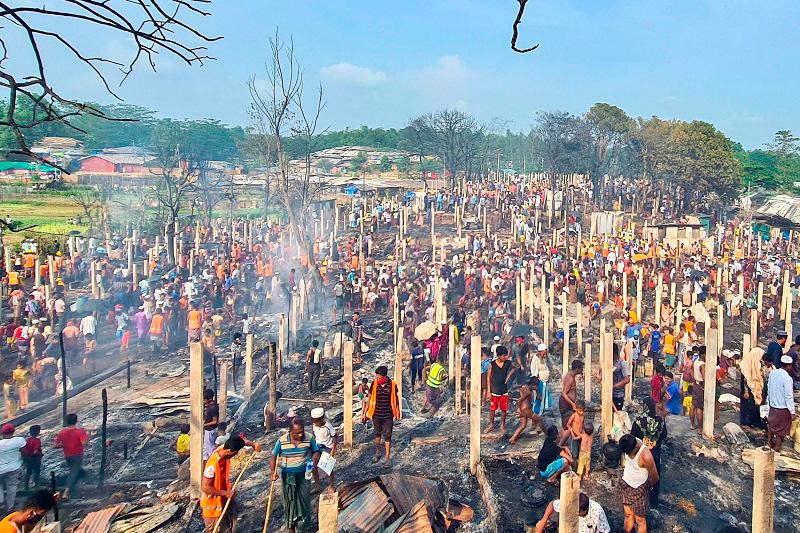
{"points": [[368, 512], [783, 206], [99, 521], [127, 518], [414, 521]]}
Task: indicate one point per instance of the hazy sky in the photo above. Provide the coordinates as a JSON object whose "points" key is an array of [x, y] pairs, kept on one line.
{"points": [[731, 62]]}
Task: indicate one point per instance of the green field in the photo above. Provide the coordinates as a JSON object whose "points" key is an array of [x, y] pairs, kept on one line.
{"points": [[48, 212]]}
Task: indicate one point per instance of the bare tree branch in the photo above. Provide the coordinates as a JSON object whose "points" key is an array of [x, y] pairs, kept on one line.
{"points": [[278, 111], [515, 29], [154, 26]]}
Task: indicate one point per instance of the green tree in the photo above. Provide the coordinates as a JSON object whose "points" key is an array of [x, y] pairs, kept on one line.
{"points": [[404, 165], [786, 148], [705, 160], [358, 163], [602, 131], [385, 164]]}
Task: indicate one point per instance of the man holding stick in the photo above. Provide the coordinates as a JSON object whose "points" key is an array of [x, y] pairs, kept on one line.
{"points": [[217, 489], [299, 455]]}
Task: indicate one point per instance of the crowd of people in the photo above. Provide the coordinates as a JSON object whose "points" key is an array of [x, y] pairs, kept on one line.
{"points": [[215, 292]]}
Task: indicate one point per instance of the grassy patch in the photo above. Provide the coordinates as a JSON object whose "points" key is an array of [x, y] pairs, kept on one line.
{"points": [[49, 213]]}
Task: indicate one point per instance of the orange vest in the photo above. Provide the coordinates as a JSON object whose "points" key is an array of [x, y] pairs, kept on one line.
{"points": [[373, 398], [268, 269], [7, 526], [212, 505], [157, 325], [30, 261], [194, 319]]}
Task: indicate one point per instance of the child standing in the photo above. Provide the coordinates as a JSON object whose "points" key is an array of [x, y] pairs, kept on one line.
{"points": [[89, 347], [32, 454], [363, 394], [181, 445], [125, 343], [10, 396], [22, 379], [574, 429], [585, 455], [222, 434], [325, 435]]}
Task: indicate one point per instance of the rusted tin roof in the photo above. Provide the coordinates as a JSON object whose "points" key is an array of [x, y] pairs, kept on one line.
{"points": [[406, 491], [99, 521], [414, 521], [368, 512]]}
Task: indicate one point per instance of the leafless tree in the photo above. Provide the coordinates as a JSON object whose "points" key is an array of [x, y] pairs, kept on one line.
{"points": [[152, 26], [454, 136], [260, 146], [278, 110], [89, 201], [210, 188], [175, 178]]}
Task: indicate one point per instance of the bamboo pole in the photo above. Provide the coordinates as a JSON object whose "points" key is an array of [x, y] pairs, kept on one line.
{"points": [[475, 403], [568, 515], [348, 394], [710, 383], [763, 490]]}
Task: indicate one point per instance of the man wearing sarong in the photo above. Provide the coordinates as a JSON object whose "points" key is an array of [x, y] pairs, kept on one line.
{"points": [[295, 450], [638, 477], [780, 398]]}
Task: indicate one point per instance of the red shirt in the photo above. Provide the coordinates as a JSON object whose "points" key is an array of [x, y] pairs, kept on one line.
{"points": [[72, 439], [33, 447], [655, 387]]}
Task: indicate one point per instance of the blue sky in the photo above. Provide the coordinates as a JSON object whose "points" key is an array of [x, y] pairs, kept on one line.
{"points": [[733, 63]]}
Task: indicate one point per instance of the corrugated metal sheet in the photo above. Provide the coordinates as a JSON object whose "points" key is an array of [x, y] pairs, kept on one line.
{"points": [[100, 521], [414, 521], [368, 512], [144, 519], [783, 206], [405, 491], [351, 491]]}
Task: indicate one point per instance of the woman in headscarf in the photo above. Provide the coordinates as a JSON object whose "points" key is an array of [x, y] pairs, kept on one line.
{"points": [[751, 389]]}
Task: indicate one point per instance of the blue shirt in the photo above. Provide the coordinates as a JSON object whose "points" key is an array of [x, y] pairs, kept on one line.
{"points": [[673, 405], [655, 341]]}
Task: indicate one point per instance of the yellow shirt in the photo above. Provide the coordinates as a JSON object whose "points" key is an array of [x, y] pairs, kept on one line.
{"points": [[22, 377], [182, 445]]}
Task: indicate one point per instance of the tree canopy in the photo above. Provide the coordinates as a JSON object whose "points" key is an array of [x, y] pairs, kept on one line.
{"points": [[604, 140]]}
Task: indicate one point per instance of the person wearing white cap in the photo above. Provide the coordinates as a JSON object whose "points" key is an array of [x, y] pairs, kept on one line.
{"points": [[538, 359], [780, 398], [325, 435], [495, 344]]}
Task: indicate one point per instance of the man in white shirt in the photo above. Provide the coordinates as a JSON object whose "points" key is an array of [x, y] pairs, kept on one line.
{"points": [[10, 465], [88, 325], [780, 398], [537, 360], [325, 435]]}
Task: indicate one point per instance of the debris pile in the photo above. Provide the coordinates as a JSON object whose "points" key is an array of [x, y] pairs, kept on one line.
{"points": [[399, 503]]}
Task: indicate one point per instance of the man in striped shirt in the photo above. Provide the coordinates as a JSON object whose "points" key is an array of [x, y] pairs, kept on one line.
{"points": [[295, 450]]}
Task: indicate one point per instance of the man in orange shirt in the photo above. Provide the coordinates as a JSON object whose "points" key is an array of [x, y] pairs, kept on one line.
{"points": [[35, 508], [195, 322], [157, 330], [217, 488]]}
